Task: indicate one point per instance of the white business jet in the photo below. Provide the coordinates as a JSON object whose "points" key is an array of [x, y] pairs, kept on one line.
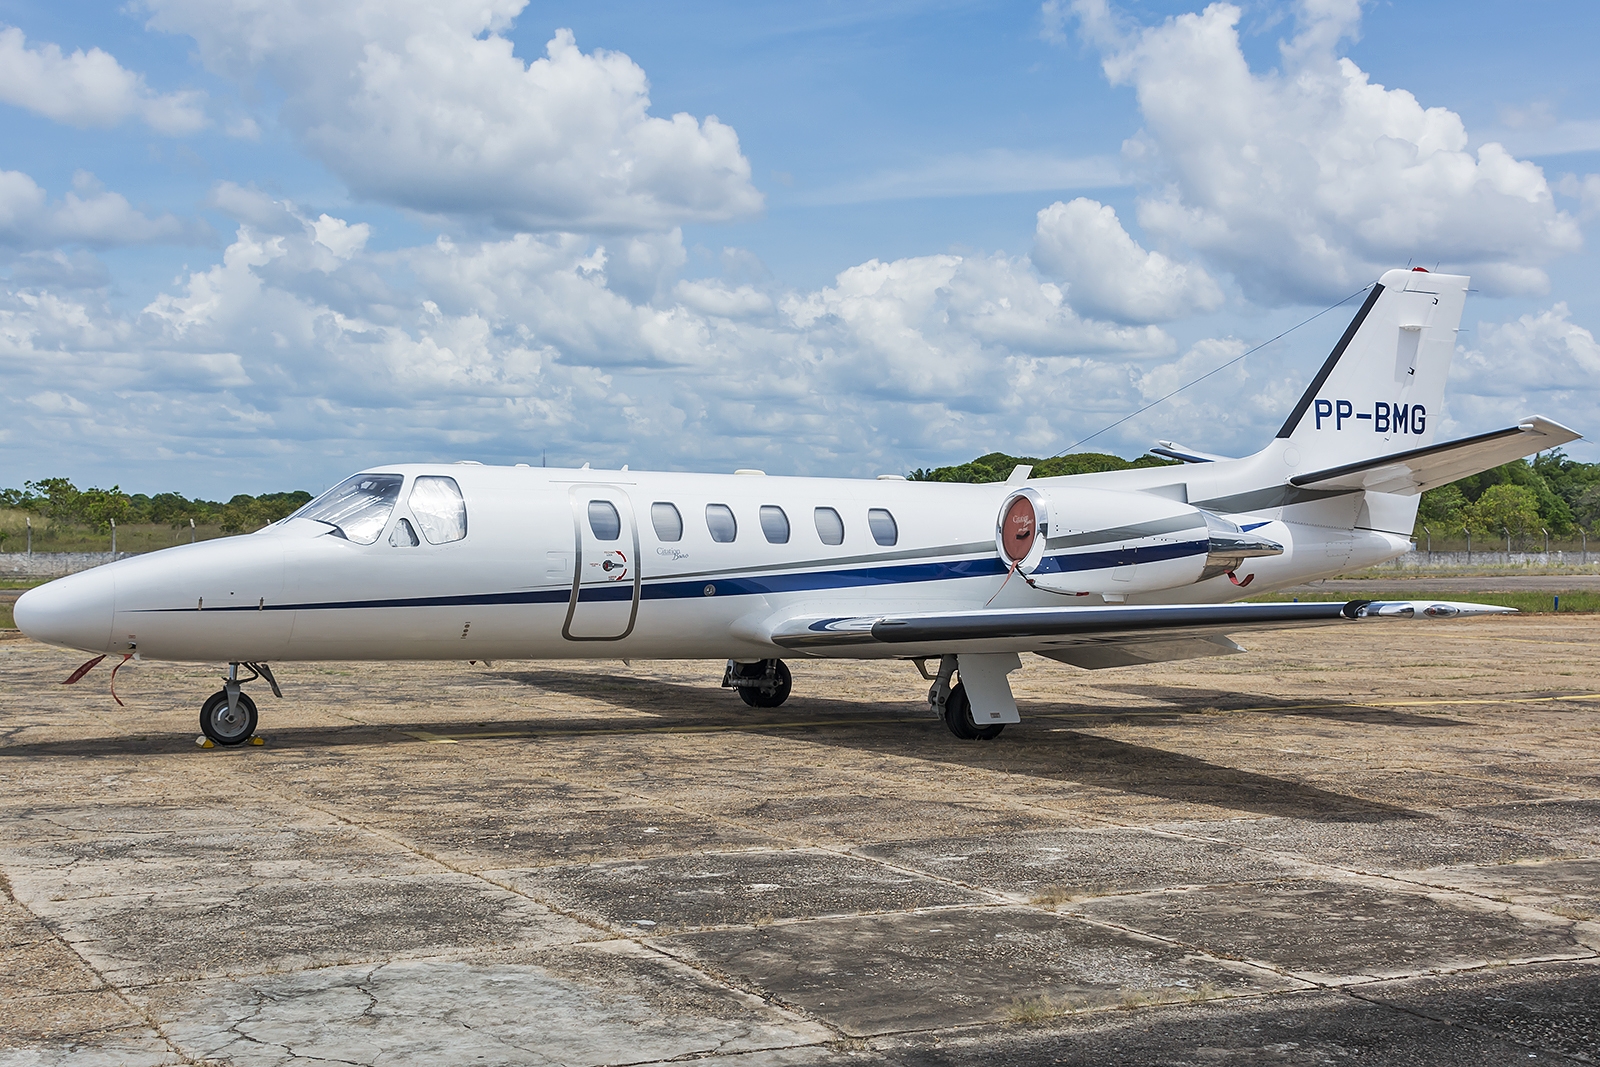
{"points": [[470, 562]]}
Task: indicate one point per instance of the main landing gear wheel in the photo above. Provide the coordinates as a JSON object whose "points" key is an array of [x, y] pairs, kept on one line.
{"points": [[761, 685], [227, 727], [958, 716]]}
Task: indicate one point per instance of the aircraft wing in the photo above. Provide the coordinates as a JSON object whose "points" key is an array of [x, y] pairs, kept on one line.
{"points": [[1424, 468], [1089, 636]]}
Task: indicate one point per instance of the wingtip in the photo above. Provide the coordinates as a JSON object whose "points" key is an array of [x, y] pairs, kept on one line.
{"points": [[1423, 609], [1548, 427]]}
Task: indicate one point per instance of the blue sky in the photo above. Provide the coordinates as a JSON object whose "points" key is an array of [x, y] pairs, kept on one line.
{"points": [[251, 247]]}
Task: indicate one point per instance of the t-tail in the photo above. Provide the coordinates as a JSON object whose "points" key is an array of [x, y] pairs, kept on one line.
{"points": [[1341, 482]]}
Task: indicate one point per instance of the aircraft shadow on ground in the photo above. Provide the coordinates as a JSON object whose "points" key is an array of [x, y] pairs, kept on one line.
{"points": [[1187, 700], [1052, 752], [1057, 754]]}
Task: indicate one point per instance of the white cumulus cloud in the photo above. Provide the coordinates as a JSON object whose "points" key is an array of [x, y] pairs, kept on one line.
{"points": [[1540, 352], [88, 215], [1108, 274], [323, 354], [1308, 181], [89, 88], [424, 105]]}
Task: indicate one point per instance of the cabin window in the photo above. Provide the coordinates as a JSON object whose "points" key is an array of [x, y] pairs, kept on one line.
{"points": [[775, 524], [403, 536], [720, 521], [830, 527], [668, 523], [357, 508], [440, 511], [604, 520], [882, 525]]}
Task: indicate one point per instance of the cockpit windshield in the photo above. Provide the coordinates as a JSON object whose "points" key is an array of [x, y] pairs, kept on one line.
{"points": [[357, 508]]}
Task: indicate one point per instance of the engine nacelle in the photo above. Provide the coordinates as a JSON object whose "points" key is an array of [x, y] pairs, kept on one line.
{"points": [[1080, 541]]}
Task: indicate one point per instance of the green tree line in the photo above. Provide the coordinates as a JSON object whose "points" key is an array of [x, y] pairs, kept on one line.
{"points": [[1550, 492], [60, 501], [996, 467]]}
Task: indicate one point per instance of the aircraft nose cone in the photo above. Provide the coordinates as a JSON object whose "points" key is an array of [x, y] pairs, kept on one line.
{"points": [[74, 611]]}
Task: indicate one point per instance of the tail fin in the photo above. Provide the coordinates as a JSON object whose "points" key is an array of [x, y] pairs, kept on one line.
{"points": [[1380, 390]]}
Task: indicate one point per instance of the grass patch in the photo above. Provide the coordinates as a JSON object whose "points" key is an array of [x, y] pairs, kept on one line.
{"points": [[6, 621], [52, 536], [1052, 895], [1577, 602], [1036, 1011]]}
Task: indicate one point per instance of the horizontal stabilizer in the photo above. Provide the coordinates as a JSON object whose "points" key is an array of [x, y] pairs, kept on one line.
{"points": [[1046, 630], [1424, 468], [1173, 450]]}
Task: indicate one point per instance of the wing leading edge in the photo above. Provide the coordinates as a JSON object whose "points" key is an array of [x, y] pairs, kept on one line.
{"points": [[1098, 636]]}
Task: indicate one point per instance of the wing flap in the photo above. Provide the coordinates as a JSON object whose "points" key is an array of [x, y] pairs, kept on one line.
{"points": [[1419, 469], [1098, 655]]}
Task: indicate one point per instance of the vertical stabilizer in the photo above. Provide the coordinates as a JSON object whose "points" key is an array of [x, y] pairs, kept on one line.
{"points": [[1380, 390]]}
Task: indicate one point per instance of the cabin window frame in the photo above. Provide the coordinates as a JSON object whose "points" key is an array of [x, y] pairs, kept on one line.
{"points": [[770, 515], [603, 506], [875, 528], [732, 530], [838, 520], [656, 508]]}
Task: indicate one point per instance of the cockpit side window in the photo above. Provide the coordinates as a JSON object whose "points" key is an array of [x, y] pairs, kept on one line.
{"points": [[403, 536], [441, 512], [357, 508]]}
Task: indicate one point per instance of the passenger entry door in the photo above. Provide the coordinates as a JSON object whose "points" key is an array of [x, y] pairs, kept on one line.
{"points": [[605, 579]]}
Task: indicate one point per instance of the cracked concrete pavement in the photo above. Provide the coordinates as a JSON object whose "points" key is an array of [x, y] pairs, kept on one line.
{"points": [[1372, 845]]}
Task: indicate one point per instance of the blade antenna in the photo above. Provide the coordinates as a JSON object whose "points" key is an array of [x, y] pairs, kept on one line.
{"points": [[1214, 370]]}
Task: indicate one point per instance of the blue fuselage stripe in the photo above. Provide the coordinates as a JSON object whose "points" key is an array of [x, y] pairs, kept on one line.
{"points": [[760, 584]]}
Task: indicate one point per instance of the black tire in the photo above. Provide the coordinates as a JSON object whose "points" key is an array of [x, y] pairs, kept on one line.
{"points": [[958, 716], [765, 697], [223, 728]]}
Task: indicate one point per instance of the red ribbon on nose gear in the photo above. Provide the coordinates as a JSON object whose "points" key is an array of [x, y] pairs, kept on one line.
{"points": [[1234, 578], [83, 670], [114, 671]]}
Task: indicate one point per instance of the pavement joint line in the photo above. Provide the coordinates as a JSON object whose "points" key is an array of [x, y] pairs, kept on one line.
{"points": [[710, 975], [1322, 870], [1358, 993], [106, 985]]}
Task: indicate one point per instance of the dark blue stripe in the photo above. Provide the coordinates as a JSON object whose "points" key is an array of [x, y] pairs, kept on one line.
{"points": [[757, 585], [807, 581], [1120, 557]]}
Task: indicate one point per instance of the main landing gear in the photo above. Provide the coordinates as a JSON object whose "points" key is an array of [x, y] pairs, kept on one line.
{"points": [[762, 684], [953, 704], [228, 717]]}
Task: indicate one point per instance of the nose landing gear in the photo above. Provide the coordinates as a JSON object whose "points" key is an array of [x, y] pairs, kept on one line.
{"points": [[228, 717], [762, 684]]}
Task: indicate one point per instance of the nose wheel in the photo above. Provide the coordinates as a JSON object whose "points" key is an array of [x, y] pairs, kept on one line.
{"points": [[225, 723], [228, 717]]}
